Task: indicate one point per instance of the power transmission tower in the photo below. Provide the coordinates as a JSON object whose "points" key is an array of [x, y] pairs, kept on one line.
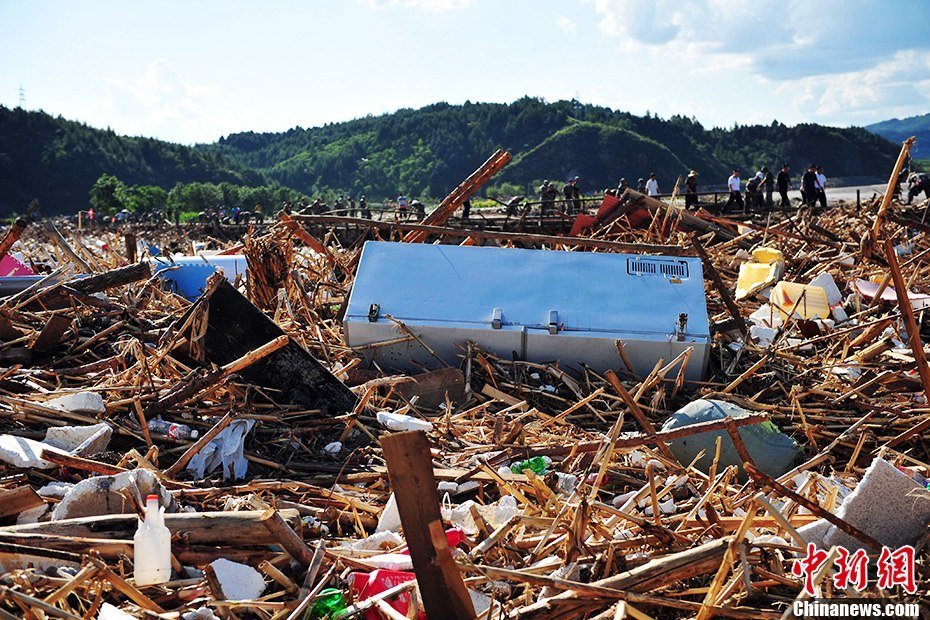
{"points": [[22, 97]]}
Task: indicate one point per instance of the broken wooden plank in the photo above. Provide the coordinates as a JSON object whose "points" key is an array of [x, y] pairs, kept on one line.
{"points": [[411, 471]]}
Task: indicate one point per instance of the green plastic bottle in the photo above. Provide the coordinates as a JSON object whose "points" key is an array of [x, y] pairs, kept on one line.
{"points": [[537, 464], [330, 605]]}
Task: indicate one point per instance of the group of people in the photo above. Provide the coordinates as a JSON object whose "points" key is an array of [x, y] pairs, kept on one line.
{"points": [[761, 186], [570, 195]]}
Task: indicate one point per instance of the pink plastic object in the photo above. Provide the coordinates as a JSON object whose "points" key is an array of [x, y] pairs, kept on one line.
{"points": [[9, 266], [377, 581]]}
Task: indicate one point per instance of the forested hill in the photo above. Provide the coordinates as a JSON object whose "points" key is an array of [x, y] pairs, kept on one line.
{"points": [[424, 152], [429, 150], [57, 161]]}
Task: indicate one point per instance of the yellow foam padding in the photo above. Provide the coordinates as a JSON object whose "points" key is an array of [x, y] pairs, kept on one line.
{"points": [[753, 277], [813, 304]]}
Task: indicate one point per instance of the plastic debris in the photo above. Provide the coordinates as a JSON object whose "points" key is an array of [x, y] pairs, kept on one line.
{"points": [[773, 451]]}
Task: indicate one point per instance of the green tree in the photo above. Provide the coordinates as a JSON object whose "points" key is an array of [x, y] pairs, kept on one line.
{"points": [[105, 195]]}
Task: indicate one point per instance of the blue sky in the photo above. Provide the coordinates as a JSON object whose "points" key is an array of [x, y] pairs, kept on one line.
{"points": [[193, 71]]}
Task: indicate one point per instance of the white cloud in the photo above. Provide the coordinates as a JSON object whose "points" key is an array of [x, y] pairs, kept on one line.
{"points": [[161, 101], [431, 5], [827, 58], [566, 25]]}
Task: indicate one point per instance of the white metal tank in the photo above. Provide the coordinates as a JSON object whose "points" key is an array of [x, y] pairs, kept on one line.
{"points": [[540, 305]]}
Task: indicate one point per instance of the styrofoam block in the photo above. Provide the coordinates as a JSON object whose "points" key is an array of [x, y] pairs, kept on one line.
{"points": [[25, 453], [827, 283], [100, 495], [79, 402], [238, 581], [887, 505], [80, 440]]}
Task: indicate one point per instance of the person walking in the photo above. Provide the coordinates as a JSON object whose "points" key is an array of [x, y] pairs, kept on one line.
{"points": [[568, 192], [822, 187], [736, 196], [576, 195], [768, 184], [622, 187], [641, 185], [753, 191], [783, 182], [809, 186], [691, 198], [652, 186]]}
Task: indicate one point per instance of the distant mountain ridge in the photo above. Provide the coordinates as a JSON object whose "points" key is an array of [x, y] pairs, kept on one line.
{"points": [[898, 130], [429, 150], [424, 152]]}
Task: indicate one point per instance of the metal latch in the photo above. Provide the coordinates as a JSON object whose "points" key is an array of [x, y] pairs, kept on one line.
{"points": [[553, 322], [497, 318], [374, 310], [682, 327]]}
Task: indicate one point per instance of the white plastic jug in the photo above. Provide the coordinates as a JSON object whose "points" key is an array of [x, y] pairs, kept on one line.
{"points": [[152, 546]]}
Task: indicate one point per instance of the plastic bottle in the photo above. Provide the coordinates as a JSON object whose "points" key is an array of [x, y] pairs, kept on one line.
{"points": [[152, 546], [171, 429], [330, 605], [537, 464]]}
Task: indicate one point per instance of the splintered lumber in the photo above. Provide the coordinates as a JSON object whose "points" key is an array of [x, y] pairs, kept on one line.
{"points": [[722, 289], [58, 296], [50, 336], [660, 572], [411, 471], [63, 245], [235, 327], [907, 313], [475, 233], [198, 528], [630, 199], [460, 194], [12, 236], [14, 501], [763, 479], [890, 189], [634, 440], [199, 383], [295, 546]]}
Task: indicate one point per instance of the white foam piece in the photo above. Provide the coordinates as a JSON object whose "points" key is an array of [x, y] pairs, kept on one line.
{"points": [[79, 402], [887, 505], [25, 453], [828, 284], [238, 581]]}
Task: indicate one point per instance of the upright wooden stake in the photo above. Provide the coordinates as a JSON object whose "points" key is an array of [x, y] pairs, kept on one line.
{"points": [[907, 313], [889, 191], [411, 470]]}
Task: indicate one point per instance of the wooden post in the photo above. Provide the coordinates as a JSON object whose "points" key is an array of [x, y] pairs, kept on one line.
{"points": [[892, 183], [907, 313], [461, 193], [731, 306], [411, 471]]}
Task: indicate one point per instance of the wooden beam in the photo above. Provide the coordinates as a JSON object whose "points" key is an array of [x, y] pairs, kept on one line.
{"points": [[889, 190], [460, 194], [14, 501], [907, 313], [411, 471], [228, 529], [581, 242]]}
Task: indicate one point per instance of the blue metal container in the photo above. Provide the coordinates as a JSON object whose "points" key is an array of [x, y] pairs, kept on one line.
{"points": [[187, 275]]}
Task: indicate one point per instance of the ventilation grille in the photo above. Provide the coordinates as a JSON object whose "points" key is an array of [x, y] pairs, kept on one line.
{"points": [[656, 267]]}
